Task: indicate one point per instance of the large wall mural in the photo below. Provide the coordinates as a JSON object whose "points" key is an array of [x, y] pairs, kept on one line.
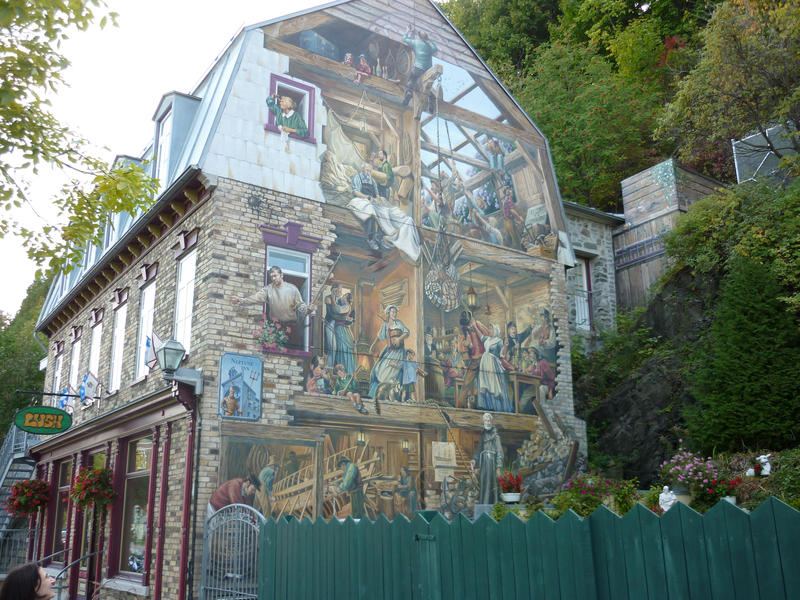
{"points": [[440, 192]]}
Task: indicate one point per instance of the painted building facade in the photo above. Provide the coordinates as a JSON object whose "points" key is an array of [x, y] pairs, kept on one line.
{"points": [[360, 242]]}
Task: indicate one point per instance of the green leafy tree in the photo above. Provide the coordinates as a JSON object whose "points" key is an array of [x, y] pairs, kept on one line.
{"points": [[31, 69], [598, 124], [745, 379], [746, 81], [20, 354], [755, 220], [504, 32]]}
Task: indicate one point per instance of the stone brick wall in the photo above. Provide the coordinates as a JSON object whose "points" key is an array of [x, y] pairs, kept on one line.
{"points": [[592, 240]]}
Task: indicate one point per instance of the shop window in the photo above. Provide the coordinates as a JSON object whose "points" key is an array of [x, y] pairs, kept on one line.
{"points": [[61, 512], [133, 522]]}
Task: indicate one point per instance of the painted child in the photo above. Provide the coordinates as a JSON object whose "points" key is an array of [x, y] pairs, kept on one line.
{"points": [[346, 386], [408, 376]]}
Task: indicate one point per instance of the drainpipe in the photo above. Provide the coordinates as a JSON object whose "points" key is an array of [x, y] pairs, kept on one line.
{"points": [[38, 341]]}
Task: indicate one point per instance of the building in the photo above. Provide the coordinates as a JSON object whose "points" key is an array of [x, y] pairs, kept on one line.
{"points": [[652, 200], [591, 285], [412, 208]]}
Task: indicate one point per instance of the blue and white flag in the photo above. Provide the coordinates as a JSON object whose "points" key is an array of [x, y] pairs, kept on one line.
{"points": [[63, 400], [153, 343], [88, 388]]}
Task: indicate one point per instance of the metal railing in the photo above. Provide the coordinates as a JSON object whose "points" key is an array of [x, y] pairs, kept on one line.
{"points": [[14, 547]]}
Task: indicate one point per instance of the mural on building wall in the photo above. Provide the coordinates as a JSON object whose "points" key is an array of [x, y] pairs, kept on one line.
{"points": [[366, 473], [416, 130], [240, 386]]}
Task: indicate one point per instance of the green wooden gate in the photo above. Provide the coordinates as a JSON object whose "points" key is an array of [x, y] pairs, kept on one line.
{"points": [[725, 553]]}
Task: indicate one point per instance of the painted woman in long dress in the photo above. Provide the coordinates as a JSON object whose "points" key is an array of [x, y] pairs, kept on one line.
{"points": [[492, 387], [387, 367], [343, 333]]}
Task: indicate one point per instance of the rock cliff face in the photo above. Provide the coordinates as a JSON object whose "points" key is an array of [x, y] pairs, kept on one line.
{"points": [[637, 421]]}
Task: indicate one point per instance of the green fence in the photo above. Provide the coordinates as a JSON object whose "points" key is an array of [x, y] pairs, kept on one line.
{"points": [[724, 554]]}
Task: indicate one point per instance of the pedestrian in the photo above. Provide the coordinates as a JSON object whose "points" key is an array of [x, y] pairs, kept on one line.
{"points": [[27, 582]]}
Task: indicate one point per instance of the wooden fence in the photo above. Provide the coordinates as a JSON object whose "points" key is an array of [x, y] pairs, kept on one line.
{"points": [[724, 554]]}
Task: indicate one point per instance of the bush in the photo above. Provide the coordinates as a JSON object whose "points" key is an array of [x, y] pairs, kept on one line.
{"points": [[586, 492], [786, 477]]}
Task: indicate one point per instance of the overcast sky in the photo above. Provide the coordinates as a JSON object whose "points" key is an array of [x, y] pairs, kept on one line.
{"points": [[117, 77]]}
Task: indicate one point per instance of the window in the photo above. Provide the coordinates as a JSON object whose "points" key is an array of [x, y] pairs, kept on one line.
{"points": [[96, 461], [147, 304], [583, 295], [303, 98], [60, 520], [296, 267], [57, 377], [94, 349], [184, 300], [135, 497], [117, 346], [164, 137], [74, 364]]}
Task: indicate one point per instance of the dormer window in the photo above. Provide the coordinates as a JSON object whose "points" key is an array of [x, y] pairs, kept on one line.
{"points": [[163, 140]]}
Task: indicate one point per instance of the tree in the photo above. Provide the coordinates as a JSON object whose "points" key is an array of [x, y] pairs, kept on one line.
{"points": [[20, 354], [31, 68], [504, 32], [598, 124], [745, 377], [746, 81]]}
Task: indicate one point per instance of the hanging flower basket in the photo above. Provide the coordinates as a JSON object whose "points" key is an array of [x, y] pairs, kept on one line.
{"points": [[27, 497], [93, 488]]}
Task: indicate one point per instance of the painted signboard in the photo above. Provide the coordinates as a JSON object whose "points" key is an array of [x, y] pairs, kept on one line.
{"points": [[240, 386]]}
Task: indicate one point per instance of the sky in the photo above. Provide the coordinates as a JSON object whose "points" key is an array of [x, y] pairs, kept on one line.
{"points": [[116, 79]]}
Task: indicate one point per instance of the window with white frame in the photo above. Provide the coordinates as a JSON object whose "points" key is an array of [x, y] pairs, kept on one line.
{"points": [[296, 268], [147, 305], [118, 346], [164, 138], [184, 299], [74, 364], [583, 294], [57, 377], [94, 349]]}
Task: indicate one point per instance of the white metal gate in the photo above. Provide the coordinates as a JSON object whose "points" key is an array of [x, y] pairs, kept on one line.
{"points": [[230, 553]]}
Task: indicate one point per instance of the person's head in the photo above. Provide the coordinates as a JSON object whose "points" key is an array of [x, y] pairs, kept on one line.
{"points": [[336, 290], [288, 103], [537, 355], [251, 485], [453, 344], [495, 330], [27, 582], [428, 336], [343, 461], [527, 353], [411, 355], [275, 275], [488, 420], [465, 319], [382, 156], [391, 311], [511, 328], [367, 168], [507, 192], [317, 365], [423, 36], [404, 471], [340, 370], [362, 60], [348, 58]]}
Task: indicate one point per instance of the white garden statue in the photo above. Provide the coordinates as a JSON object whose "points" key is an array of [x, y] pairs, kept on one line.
{"points": [[766, 467], [667, 499]]}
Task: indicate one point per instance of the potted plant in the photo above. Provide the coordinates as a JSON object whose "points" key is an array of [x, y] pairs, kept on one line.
{"points": [[510, 487], [27, 497], [93, 488], [687, 474]]}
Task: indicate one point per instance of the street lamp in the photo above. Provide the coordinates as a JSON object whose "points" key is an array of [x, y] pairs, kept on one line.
{"points": [[170, 355]]}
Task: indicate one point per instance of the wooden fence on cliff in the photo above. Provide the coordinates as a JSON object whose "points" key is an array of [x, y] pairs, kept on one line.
{"points": [[683, 555]]}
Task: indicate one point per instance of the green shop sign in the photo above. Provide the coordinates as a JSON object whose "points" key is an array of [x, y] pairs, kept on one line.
{"points": [[44, 420]]}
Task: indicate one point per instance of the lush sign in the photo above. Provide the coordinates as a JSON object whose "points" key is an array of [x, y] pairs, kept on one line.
{"points": [[44, 420]]}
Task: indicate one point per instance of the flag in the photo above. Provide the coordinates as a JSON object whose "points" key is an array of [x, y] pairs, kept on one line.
{"points": [[88, 388], [153, 343], [63, 400]]}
